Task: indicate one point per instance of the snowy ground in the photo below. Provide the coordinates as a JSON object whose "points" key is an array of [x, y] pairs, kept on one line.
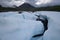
{"points": [[53, 32], [15, 26]]}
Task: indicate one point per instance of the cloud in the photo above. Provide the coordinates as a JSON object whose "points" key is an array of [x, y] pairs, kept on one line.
{"points": [[11, 3], [36, 3], [43, 3]]}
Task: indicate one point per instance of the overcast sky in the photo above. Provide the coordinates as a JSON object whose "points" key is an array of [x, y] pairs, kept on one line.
{"points": [[36, 3]]}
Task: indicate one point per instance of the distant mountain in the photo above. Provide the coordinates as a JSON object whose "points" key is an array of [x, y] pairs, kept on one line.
{"points": [[0, 6], [26, 6]]}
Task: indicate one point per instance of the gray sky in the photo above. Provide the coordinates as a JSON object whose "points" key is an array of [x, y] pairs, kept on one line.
{"points": [[36, 3]]}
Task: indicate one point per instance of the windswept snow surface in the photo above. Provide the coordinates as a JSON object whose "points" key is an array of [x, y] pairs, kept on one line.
{"points": [[53, 32], [14, 26]]}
